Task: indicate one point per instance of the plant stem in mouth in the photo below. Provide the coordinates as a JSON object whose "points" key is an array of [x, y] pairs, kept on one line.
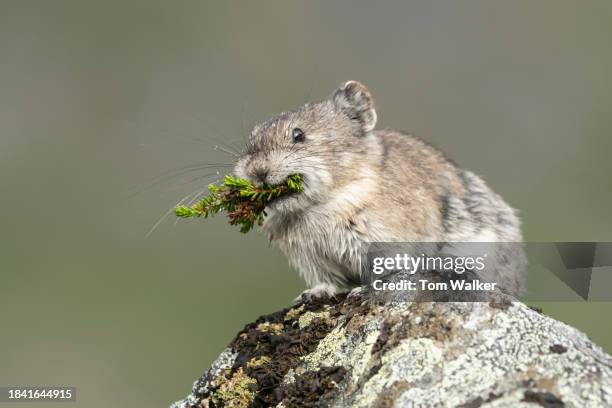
{"points": [[243, 202]]}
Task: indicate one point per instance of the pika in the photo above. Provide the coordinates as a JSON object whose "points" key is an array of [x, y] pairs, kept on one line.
{"points": [[362, 185]]}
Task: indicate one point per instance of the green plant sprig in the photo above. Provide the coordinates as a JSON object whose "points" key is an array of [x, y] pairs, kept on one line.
{"points": [[243, 202]]}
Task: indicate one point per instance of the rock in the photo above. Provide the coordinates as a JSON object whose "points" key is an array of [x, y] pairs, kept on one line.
{"points": [[357, 352]]}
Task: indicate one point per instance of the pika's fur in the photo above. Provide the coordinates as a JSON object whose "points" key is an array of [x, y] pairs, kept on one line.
{"points": [[363, 185]]}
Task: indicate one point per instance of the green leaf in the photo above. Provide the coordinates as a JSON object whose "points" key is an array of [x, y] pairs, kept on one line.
{"points": [[183, 211]]}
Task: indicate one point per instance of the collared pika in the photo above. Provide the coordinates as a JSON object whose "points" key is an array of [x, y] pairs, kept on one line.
{"points": [[362, 185]]}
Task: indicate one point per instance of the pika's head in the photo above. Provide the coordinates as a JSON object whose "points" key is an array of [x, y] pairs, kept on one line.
{"points": [[323, 142]]}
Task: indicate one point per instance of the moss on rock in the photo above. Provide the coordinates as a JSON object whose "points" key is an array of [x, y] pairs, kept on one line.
{"points": [[353, 351]]}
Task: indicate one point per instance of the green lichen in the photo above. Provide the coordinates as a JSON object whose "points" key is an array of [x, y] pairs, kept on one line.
{"points": [[274, 328], [234, 392], [242, 201], [294, 313], [258, 361], [267, 349], [307, 318]]}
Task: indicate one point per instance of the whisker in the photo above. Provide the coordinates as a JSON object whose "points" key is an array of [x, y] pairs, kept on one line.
{"points": [[222, 149], [168, 177], [204, 176], [191, 202], [163, 217], [229, 148]]}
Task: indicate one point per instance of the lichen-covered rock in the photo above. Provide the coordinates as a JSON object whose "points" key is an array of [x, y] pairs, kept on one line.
{"points": [[356, 352]]}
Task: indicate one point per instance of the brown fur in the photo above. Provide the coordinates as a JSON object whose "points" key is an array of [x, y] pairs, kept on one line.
{"points": [[363, 186]]}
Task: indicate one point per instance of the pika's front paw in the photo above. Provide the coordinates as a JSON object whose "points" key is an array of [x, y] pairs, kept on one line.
{"points": [[320, 291]]}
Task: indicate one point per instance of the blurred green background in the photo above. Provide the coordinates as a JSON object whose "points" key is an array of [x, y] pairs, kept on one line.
{"points": [[100, 99]]}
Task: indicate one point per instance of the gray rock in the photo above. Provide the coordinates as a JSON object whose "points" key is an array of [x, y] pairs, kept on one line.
{"points": [[354, 352]]}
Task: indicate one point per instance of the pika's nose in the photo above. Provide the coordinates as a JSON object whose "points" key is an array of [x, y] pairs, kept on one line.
{"points": [[261, 174]]}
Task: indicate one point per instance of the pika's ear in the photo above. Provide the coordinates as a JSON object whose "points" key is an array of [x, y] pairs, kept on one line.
{"points": [[354, 99]]}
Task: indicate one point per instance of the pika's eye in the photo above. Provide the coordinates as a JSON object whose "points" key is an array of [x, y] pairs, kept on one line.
{"points": [[298, 135]]}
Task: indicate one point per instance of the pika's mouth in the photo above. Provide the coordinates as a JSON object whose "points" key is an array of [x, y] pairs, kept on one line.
{"points": [[289, 187]]}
